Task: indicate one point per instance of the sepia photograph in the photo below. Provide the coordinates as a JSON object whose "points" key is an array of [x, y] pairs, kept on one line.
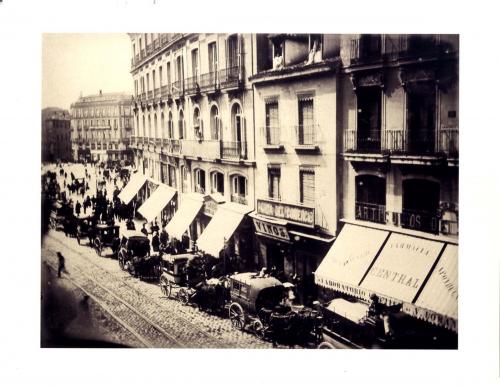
{"points": [[250, 190]]}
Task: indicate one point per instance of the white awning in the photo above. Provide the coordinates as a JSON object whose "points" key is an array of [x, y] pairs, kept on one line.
{"points": [[134, 185], [355, 312], [184, 216], [440, 293], [153, 206], [401, 267], [220, 229], [348, 259]]}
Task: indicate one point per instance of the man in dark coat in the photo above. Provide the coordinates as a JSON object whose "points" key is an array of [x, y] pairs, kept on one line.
{"points": [[78, 208], [163, 237], [61, 264], [155, 242]]}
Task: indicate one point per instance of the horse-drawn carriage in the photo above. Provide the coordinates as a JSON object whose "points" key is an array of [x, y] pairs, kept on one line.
{"points": [[256, 304], [106, 237], [59, 215], [83, 226], [134, 256]]}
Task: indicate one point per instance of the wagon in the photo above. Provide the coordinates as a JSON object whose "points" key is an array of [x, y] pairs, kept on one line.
{"points": [[256, 305], [134, 256], [106, 237], [180, 273]]}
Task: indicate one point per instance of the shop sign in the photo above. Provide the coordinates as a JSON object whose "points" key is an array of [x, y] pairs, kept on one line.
{"points": [[295, 213], [211, 207], [270, 229]]}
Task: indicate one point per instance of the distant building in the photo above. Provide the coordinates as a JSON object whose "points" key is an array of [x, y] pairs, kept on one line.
{"points": [[101, 126], [56, 135]]}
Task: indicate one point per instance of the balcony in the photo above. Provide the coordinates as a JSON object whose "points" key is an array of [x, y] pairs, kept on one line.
{"points": [[192, 85], [177, 89], [165, 92], [417, 220], [199, 189], [307, 138], [229, 78], [156, 93], [150, 95], [240, 199], [203, 149], [370, 212], [208, 82], [365, 142], [156, 44], [234, 150], [176, 146], [448, 142], [272, 139], [149, 49]]}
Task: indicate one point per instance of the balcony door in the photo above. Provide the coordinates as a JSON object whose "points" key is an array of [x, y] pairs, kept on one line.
{"points": [[369, 118], [370, 198], [238, 129], [306, 122], [272, 123], [420, 204], [212, 57], [421, 117], [232, 52]]}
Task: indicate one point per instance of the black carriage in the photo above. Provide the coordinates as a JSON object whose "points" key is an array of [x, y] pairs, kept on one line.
{"points": [[83, 225], [106, 237], [134, 256], [256, 304]]}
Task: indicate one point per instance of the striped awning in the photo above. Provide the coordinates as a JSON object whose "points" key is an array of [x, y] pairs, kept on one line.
{"points": [[153, 206], [133, 186]]}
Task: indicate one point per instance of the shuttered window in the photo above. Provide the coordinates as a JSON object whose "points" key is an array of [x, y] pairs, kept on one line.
{"points": [[272, 123], [306, 122], [307, 186], [274, 178]]}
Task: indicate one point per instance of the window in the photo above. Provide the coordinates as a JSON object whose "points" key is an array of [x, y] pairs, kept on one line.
{"points": [[154, 79], [169, 80], [307, 185], [420, 205], [180, 70], [161, 76], [147, 81], [370, 46], [306, 133], [272, 123], [198, 128], [239, 189], [232, 51], [368, 132], [212, 57], [172, 176], [194, 62], [162, 125], [199, 181], [421, 117], [274, 177], [149, 126], [370, 198], [156, 126], [217, 182], [181, 124], [170, 126], [184, 178], [215, 123], [143, 125]]}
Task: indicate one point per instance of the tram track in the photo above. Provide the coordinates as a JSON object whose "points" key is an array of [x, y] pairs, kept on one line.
{"points": [[97, 277]]}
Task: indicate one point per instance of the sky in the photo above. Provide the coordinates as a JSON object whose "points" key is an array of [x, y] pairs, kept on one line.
{"points": [[84, 63]]}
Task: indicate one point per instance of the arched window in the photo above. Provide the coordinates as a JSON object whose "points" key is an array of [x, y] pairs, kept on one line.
{"points": [[156, 126], [162, 125], [370, 198], [420, 205], [143, 125], [181, 124], [239, 189], [170, 126], [215, 124], [217, 182], [149, 126], [239, 146], [197, 126], [199, 181]]}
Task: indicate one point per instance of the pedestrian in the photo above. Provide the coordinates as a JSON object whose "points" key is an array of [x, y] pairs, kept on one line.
{"points": [[85, 207], [144, 230], [185, 242], [61, 265], [78, 208], [130, 224], [163, 237], [155, 242]]}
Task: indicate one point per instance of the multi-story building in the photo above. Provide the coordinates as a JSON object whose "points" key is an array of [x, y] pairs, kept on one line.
{"points": [[296, 99], [56, 135], [193, 120], [101, 127], [399, 209]]}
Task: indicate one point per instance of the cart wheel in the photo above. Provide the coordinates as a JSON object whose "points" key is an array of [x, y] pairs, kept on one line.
{"points": [[166, 287], [183, 296], [237, 316], [258, 329], [323, 345]]}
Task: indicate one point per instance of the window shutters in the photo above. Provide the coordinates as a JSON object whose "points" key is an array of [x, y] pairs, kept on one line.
{"points": [[307, 187]]}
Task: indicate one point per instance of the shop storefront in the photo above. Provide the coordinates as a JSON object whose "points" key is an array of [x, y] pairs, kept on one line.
{"points": [[132, 189], [181, 222], [415, 274], [155, 207]]}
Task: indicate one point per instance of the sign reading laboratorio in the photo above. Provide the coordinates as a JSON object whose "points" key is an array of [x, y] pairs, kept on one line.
{"points": [[402, 266], [294, 213], [271, 229]]}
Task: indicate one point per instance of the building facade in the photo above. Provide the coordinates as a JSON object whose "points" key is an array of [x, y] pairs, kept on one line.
{"points": [[101, 127], [56, 135], [193, 122]]}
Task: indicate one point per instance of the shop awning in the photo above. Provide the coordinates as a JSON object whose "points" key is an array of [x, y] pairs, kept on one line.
{"points": [[153, 206], [438, 301], [354, 312], [401, 268], [348, 259], [220, 229], [188, 209], [134, 185]]}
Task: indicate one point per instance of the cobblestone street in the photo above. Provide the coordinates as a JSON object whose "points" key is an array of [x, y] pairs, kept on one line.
{"points": [[169, 323]]}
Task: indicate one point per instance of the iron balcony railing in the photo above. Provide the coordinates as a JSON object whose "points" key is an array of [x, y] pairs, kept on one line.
{"points": [[234, 150], [307, 135], [229, 77], [143, 96], [370, 212], [271, 135], [176, 146], [150, 94], [240, 199], [156, 92], [369, 141], [191, 85], [420, 142], [178, 88], [208, 81], [165, 91], [448, 141]]}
